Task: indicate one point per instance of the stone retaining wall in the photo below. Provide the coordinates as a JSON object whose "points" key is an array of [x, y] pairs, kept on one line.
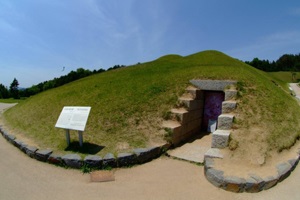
{"points": [[253, 183], [138, 156]]}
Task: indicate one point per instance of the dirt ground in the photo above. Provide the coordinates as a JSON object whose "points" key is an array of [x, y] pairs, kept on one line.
{"points": [[164, 178]]}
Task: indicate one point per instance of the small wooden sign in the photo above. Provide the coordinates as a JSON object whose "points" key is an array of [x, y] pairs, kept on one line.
{"points": [[73, 118]]}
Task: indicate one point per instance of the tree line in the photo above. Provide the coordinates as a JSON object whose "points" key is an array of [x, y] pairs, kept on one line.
{"points": [[15, 92], [287, 62]]}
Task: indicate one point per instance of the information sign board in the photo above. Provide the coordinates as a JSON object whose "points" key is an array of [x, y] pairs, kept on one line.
{"points": [[73, 118]]}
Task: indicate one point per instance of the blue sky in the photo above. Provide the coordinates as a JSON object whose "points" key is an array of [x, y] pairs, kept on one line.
{"points": [[40, 37]]}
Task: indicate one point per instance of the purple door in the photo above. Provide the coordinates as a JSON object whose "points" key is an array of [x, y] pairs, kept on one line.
{"points": [[212, 107]]}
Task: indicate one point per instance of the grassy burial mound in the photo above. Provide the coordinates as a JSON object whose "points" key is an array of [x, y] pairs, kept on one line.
{"points": [[129, 105]]}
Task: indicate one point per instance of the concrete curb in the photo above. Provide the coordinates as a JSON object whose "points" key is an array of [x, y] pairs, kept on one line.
{"points": [[253, 183], [137, 156]]}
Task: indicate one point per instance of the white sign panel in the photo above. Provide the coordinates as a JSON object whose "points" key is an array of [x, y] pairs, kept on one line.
{"points": [[73, 117]]}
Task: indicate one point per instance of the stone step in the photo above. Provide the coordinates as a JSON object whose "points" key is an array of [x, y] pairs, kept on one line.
{"points": [[228, 106], [230, 94], [220, 139], [173, 130], [191, 104], [225, 121], [171, 124], [195, 92], [179, 110], [187, 95], [184, 116], [178, 114]]}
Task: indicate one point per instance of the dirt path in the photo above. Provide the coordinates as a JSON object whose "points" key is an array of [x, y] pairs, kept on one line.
{"points": [[24, 178], [295, 88], [4, 106]]}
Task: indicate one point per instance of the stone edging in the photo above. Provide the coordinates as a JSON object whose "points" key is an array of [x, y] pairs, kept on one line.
{"points": [[138, 156], [253, 183]]}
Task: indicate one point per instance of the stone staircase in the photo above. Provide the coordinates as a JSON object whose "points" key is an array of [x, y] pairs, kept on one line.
{"points": [[185, 120], [220, 137]]}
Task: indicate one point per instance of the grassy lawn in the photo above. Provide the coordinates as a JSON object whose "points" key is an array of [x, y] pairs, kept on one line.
{"points": [[128, 104], [285, 76], [11, 100]]}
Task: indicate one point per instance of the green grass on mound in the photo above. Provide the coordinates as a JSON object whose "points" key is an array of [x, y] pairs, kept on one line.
{"points": [[285, 76], [128, 104]]}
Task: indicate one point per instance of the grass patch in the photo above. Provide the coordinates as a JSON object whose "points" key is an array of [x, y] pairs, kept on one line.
{"points": [[129, 104], [285, 77], [11, 100]]}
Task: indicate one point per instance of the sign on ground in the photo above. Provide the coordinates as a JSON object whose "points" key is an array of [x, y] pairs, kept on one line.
{"points": [[73, 118]]}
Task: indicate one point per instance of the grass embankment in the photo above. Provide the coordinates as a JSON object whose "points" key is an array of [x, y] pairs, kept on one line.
{"points": [[285, 77], [128, 105]]}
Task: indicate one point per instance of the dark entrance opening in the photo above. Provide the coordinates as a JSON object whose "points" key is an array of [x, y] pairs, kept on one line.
{"points": [[212, 107]]}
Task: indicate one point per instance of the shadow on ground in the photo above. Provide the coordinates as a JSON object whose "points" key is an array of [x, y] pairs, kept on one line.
{"points": [[87, 148]]}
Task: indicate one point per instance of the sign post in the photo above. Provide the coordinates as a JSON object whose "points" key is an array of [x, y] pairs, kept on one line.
{"points": [[68, 136], [73, 118], [80, 138]]}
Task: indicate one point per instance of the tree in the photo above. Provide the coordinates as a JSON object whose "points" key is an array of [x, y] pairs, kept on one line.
{"points": [[4, 94], [14, 89], [286, 62]]}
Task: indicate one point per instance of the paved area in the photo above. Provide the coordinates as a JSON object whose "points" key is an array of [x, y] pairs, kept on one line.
{"points": [[5, 106], [164, 178], [193, 151], [296, 89]]}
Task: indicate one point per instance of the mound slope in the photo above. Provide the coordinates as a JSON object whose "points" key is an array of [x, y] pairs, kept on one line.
{"points": [[128, 105]]}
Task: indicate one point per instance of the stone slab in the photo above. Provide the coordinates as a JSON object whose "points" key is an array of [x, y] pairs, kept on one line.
{"points": [[109, 160], [216, 177], [234, 184], [146, 154], [93, 161], [102, 176], [213, 153], [193, 151], [284, 170], [270, 181], [215, 85], [43, 155], [126, 159], [55, 159], [72, 160], [30, 151]]}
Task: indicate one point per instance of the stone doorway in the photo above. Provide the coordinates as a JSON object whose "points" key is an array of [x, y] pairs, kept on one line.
{"points": [[212, 109]]}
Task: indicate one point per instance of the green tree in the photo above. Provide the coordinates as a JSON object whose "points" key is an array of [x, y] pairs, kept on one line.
{"points": [[4, 93], [14, 89]]}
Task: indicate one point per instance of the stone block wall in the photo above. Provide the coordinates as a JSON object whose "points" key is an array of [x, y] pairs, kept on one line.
{"points": [[137, 156], [185, 120]]}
